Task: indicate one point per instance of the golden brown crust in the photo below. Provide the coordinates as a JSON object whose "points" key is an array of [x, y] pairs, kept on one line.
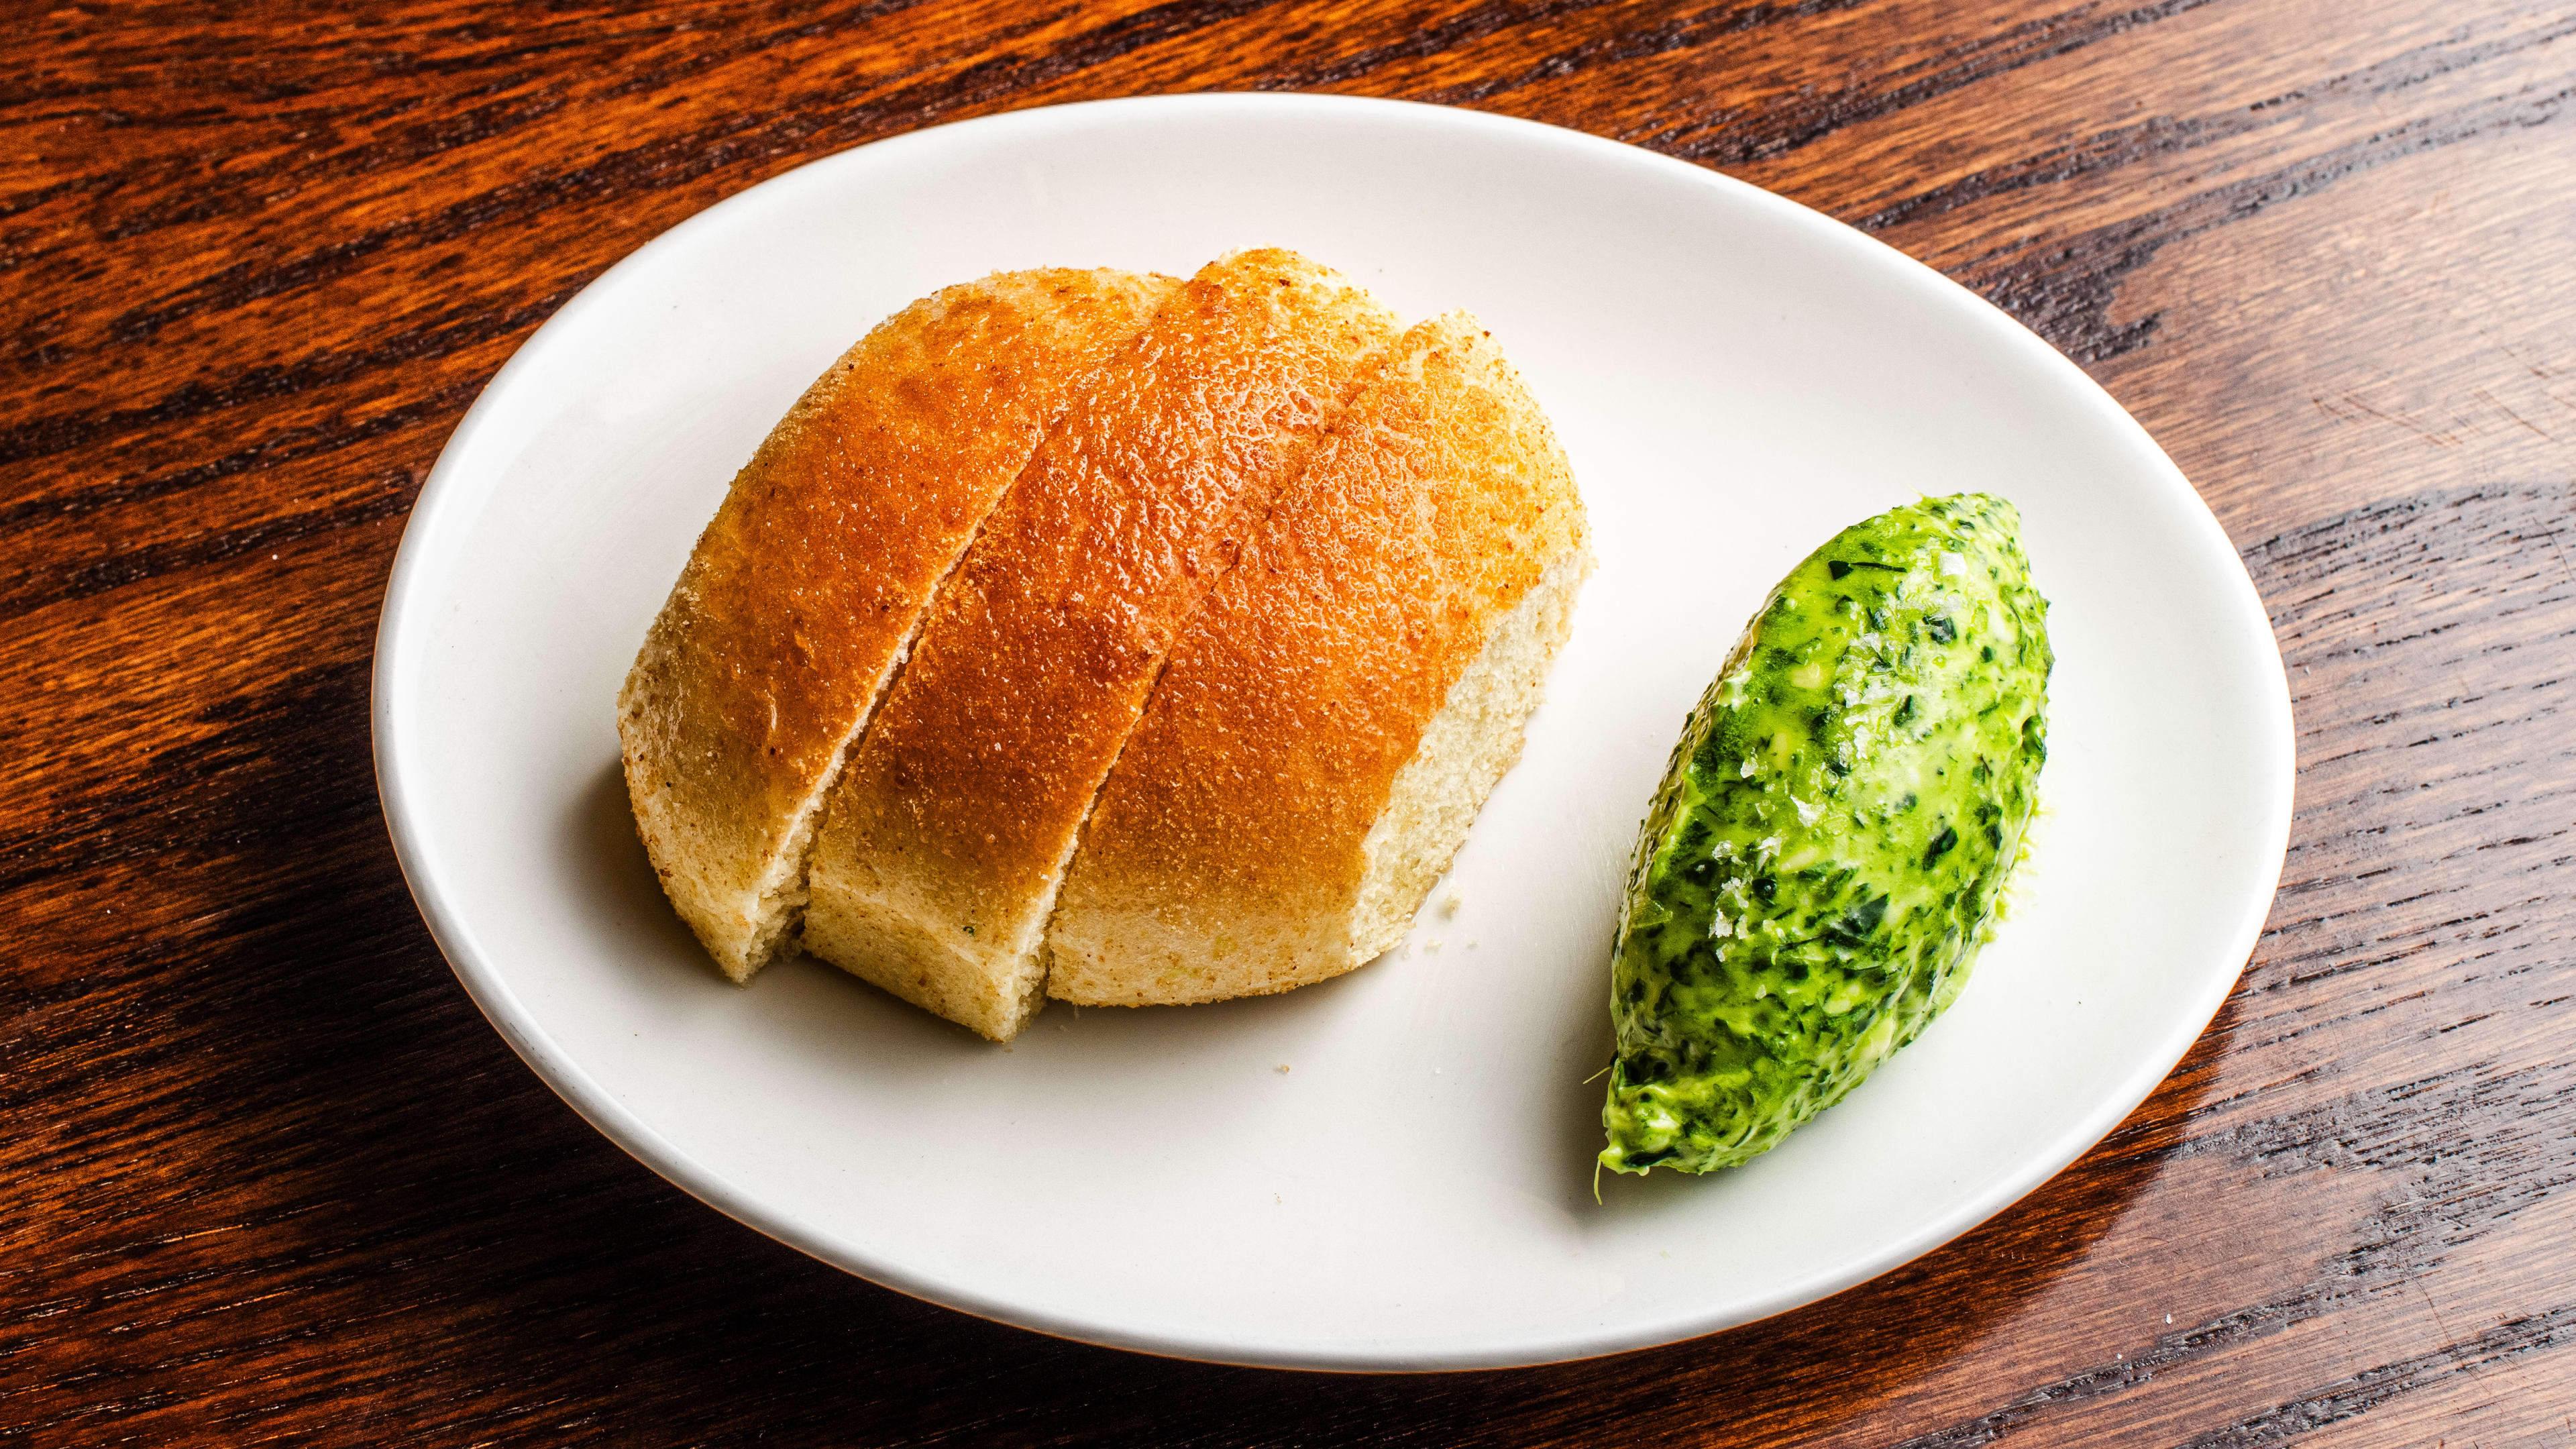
{"points": [[939, 854], [804, 590], [1228, 849]]}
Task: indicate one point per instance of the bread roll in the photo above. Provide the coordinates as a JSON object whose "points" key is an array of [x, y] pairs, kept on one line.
{"points": [[804, 592], [945, 839], [1331, 722]]}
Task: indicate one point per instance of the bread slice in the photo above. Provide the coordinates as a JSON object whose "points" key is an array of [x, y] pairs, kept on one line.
{"points": [[1332, 721], [945, 839], [804, 592]]}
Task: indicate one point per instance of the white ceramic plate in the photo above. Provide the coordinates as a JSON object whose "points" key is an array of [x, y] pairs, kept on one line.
{"points": [[1392, 1170]]}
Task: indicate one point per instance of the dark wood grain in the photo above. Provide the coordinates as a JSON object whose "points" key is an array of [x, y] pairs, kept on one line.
{"points": [[267, 1175]]}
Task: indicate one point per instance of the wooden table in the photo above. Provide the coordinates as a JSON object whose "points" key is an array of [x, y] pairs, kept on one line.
{"points": [[267, 1173]]}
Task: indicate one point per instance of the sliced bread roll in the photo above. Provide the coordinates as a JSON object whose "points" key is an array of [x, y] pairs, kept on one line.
{"points": [[1332, 721], [946, 837], [804, 592]]}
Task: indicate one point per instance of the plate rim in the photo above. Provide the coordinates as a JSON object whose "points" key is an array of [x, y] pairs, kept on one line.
{"points": [[402, 620]]}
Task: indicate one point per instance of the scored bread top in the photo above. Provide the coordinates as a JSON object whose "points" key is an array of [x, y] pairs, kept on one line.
{"points": [[804, 591], [940, 851], [1437, 537]]}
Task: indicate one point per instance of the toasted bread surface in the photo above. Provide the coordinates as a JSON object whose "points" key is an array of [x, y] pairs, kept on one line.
{"points": [[1333, 719], [804, 591], [946, 837]]}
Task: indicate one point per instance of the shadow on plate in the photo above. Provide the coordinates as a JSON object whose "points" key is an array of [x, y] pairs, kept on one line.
{"points": [[614, 878]]}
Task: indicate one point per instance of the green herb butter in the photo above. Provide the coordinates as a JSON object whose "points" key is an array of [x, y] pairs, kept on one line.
{"points": [[1830, 841]]}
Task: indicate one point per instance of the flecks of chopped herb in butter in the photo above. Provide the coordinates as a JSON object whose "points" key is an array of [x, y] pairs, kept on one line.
{"points": [[1833, 836]]}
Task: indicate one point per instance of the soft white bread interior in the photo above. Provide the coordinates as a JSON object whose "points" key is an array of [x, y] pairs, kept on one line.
{"points": [[947, 835], [1470, 743], [1331, 722], [805, 590]]}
